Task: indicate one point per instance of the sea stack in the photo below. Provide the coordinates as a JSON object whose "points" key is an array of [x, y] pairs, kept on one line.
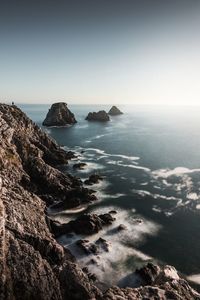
{"points": [[59, 115], [100, 116], [114, 111]]}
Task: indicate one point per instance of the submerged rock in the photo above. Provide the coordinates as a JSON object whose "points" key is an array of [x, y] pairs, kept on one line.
{"points": [[114, 111], [94, 178], [59, 115], [100, 116], [79, 166], [121, 227]]}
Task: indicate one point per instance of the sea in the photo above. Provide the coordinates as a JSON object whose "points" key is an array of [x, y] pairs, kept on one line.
{"points": [[149, 158]]}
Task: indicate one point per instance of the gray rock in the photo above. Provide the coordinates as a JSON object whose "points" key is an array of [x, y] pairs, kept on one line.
{"points": [[100, 116], [114, 111], [59, 115]]}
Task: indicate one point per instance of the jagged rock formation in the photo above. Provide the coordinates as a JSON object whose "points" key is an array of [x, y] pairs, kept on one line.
{"points": [[32, 264], [156, 284], [100, 116], [86, 224], [59, 115], [114, 111]]}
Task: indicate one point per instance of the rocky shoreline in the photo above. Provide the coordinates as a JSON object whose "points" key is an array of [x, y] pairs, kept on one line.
{"points": [[32, 263]]}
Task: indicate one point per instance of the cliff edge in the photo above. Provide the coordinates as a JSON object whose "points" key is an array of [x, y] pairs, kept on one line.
{"points": [[32, 264]]}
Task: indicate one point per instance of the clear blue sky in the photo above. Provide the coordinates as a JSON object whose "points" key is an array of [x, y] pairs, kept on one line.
{"points": [[100, 51]]}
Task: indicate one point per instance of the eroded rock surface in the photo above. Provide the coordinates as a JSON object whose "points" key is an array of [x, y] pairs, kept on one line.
{"points": [[85, 224], [114, 111], [157, 284], [59, 115], [32, 264], [100, 116]]}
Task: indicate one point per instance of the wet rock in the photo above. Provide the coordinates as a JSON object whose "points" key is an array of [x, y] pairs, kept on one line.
{"points": [[106, 219], [85, 224], [121, 227], [148, 273], [155, 285], [99, 246], [79, 166], [103, 244], [114, 111], [93, 179], [59, 115], [112, 212], [100, 116]]}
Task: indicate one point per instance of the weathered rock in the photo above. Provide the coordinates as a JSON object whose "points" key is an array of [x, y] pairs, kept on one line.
{"points": [[106, 219], [121, 227], [93, 179], [59, 115], [112, 212], [101, 245], [114, 111], [85, 224], [100, 116], [158, 283], [79, 166], [32, 264]]}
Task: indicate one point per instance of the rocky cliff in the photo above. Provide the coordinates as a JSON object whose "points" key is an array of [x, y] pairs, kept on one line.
{"points": [[59, 115], [32, 264]]}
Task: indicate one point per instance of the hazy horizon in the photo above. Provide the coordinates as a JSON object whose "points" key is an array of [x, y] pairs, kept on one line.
{"points": [[99, 52]]}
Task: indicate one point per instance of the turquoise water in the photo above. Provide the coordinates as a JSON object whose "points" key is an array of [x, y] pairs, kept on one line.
{"points": [[151, 163]]}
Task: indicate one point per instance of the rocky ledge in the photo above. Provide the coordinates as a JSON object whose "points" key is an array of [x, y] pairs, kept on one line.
{"points": [[114, 111], [100, 116], [32, 264], [86, 224], [59, 115]]}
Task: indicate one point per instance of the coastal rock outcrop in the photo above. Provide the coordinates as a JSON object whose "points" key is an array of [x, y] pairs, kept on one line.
{"points": [[85, 224], [114, 111], [93, 179], [161, 283], [59, 115], [100, 116], [32, 263]]}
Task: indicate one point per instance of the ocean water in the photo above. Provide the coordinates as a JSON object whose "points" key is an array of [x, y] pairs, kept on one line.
{"points": [[150, 160]]}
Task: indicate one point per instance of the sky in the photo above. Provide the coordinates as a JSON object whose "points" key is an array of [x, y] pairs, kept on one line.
{"points": [[100, 51]]}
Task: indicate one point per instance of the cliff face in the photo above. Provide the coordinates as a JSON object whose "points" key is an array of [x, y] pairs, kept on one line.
{"points": [[32, 264]]}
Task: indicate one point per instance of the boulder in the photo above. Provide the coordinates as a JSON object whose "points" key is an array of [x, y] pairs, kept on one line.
{"points": [[94, 178], [100, 116], [79, 166], [114, 111], [59, 115], [121, 227], [95, 248], [85, 224]]}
